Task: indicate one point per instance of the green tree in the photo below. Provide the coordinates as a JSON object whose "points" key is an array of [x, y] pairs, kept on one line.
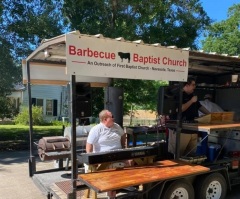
{"points": [[25, 23], [224, 36], [170, 22], [9, 70], [7, 109], [139, 94]]}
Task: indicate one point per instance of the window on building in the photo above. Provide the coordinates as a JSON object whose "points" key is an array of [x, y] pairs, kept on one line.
{"points": [[13, 101], [49, 107], [39, 102]]}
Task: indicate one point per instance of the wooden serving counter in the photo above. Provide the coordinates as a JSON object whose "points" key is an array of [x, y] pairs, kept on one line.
{"points": [[120, 178], [206, 127]]}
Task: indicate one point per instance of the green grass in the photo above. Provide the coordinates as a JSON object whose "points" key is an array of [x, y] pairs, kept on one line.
{"points": [[15, 137]]}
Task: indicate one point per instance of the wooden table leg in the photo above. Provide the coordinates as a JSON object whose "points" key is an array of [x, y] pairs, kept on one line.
{"points": [[89, 192]]}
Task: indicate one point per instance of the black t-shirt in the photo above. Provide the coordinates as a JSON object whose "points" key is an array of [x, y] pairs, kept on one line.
{"points": [[192, 112]]}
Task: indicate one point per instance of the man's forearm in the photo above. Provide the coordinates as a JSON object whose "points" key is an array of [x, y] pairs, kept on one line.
{"points": [[123, 141], [186, 105], [89, 148]]}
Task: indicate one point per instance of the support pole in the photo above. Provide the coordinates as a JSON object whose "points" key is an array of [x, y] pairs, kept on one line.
{"points": [[31, 161], [179, 122], [73, 141]]}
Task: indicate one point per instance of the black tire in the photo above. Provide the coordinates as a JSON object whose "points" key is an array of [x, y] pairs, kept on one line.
{"points": [[213, 186], [180, 189]]}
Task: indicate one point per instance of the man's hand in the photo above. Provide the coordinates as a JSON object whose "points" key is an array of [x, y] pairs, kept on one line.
{"points": [[189, 103], [194, 99]]}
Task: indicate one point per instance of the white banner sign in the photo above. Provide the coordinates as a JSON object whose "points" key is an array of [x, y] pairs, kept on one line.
{"points": [[103, 57]]}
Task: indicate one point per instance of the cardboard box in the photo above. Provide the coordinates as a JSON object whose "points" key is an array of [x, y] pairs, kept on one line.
{"points": [[220, 117]]}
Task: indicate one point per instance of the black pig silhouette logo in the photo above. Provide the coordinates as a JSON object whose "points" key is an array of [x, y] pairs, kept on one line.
{"points": [[124, 56]]}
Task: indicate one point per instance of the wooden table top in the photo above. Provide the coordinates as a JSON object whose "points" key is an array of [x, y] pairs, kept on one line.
{"points": [[132, 176], [207, 127]]}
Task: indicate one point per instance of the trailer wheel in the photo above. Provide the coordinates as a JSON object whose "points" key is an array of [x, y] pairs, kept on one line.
{"points": [[180, 189], [211, 187]]}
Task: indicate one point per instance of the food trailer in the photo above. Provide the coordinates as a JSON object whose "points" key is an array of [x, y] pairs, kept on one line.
{"points": [[96, 59]]}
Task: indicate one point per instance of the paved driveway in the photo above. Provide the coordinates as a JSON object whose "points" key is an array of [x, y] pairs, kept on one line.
{"points": [[15, 182]]}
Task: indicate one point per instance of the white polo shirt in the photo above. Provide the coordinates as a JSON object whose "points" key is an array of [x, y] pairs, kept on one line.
{"points": [[104, 139]]}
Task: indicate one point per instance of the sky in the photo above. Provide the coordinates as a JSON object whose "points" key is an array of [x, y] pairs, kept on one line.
{"points": [[217, 9]]}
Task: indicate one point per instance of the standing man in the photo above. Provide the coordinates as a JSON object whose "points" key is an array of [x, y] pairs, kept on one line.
{"points": [[190, 107]]}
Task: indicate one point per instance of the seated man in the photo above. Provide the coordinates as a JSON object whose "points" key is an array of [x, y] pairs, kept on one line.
{"points": [[105, 136]]}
